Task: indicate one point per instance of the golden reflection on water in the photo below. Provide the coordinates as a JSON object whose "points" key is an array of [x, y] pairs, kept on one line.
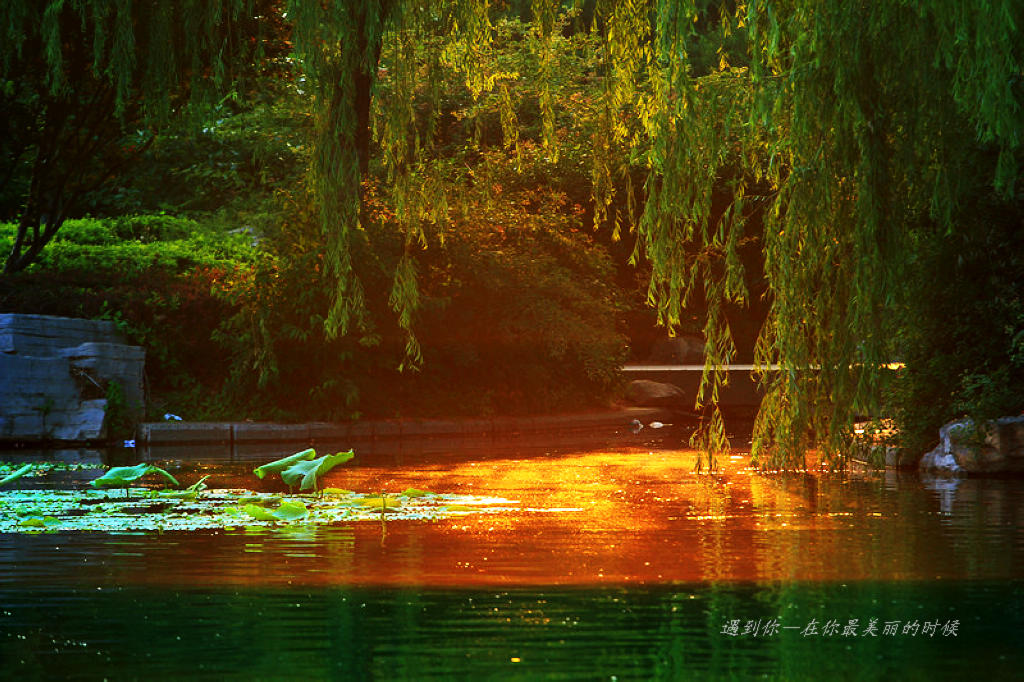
{"points": [[594, 518]]}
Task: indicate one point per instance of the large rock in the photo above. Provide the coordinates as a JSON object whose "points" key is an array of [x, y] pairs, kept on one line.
{"points": [[684, 349], [993, 448], [644, 393], [57, 373]]}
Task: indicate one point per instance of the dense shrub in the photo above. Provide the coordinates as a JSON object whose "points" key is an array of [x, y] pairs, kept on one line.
{"points": [[157, 278], [964, 344]]}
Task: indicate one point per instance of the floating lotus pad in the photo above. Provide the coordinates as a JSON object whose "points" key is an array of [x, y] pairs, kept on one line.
{"points": [[109, 511]]}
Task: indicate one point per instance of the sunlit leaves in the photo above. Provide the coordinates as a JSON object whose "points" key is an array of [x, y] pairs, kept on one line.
{"points": [[290, 510], [14, 476], [303, 469], [121, 477], [99, 510], [306, 474], [277, 466]]}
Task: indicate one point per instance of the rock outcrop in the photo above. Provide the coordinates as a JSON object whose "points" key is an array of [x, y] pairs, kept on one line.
{"points": [[996, 447], [644, 393], [62, 378]]}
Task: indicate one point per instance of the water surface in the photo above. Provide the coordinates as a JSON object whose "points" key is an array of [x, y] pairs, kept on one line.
{"points": [[614, 565]]}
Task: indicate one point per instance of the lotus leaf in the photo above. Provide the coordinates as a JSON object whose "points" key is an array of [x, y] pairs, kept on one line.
{"points": [[277, 466], [189, 493], [259, 513], [120, 477], [414, 492], [37, 522], [16, 475], [306, 474], [379, 503], [291, 510]]}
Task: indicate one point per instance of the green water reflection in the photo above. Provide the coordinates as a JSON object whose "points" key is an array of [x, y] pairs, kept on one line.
{"points": [[658, 633]]}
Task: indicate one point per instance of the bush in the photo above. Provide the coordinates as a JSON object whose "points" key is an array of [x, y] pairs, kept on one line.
{"points": [[964, 342]]}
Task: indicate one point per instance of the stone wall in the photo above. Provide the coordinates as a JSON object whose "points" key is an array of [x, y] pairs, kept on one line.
{"points": [[56, 375]]}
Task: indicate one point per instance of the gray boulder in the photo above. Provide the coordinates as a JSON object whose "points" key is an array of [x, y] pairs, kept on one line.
{"points": [[645, 393], [995, 447], [57, 373]]}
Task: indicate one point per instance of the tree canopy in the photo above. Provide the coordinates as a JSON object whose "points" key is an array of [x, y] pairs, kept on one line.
{"points": [[858, 144]]}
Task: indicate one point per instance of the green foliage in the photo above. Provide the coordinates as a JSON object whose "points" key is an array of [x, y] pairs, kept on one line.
{"points": [[120, 477], [279, 465], [88, 82], [963, 352], [306, 474], [65, 510], [156, 277], [14, 476], [303, 469], [291, 510]]}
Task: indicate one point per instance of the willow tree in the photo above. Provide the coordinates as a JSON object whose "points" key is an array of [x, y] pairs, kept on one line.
{"points": [[865, 130], [86, 84], [858, 131], [886, 121]]}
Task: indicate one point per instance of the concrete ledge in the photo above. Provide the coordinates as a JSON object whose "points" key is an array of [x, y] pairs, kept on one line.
{"points": [[180, 433], [262, 432], [171, 433]]}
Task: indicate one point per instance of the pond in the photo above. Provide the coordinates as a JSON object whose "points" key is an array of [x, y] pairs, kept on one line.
{"points": [[615, 565]]}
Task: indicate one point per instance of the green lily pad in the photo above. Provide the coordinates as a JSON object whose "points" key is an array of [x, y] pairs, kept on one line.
{"points": [[277, 466], [414, 492], [379, 503], [259, 513], [290, 510]]}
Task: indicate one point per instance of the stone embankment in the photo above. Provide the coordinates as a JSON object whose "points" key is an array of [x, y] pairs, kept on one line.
{"points": [[243, 441], [59, 377]]}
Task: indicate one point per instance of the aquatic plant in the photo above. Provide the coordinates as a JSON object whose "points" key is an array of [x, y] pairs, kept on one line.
{"points": [[48, 510], [279, 465], [120, 477], [16, 475], [304, 469], [189, 493], [289, 510]]}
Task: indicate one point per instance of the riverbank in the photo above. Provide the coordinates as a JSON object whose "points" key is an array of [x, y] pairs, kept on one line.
{"points": [[240, 441]]}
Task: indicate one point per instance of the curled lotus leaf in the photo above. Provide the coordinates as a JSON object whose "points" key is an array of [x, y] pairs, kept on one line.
{"points": [[120, 477], [305, 474], [17, 474], [189, 493], [279, 465]]}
